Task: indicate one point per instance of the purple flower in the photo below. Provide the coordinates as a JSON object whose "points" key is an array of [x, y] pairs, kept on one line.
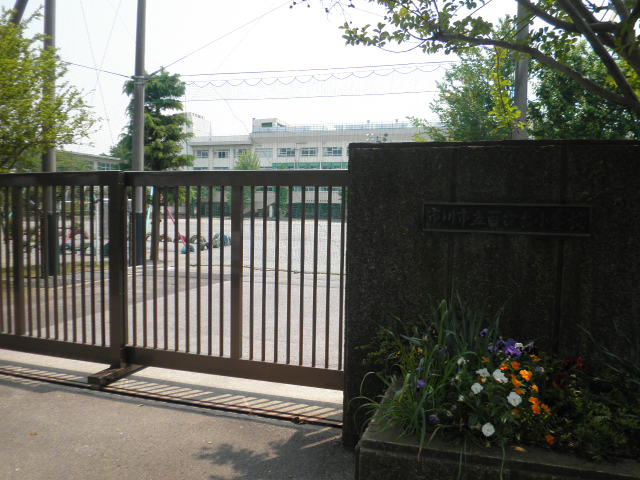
{"points": [[433, 418], [511, 348], [484, 331], [421, 384]]}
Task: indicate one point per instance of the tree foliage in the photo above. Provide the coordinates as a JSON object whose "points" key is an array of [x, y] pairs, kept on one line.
{"points": [[247, 161], [561, 109], [609, 27], [31, 119], [164, 125]]}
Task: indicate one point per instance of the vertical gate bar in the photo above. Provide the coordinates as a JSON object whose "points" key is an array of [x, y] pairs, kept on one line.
{"points": [[63, 220], [133, 255], [252, 270], [83, 290], [143, 244], [93, 245], [221, 247], [44, 245], [315, 277], [289, 245], [38, 273], [9, 261], [209, 272], [237, 207], [328, 299], [165, 271], [155, 246], [28, 212], [176, 269], [276, 287], [4, 272], [103, 305], [18, 260], [264, 271], [74, 302], [198, 265], [117, 271], [303, 213], [187, 262], [343, 215]]}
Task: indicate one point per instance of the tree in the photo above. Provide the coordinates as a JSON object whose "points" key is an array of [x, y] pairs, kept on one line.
{"points": [[562, 109], [32, 121], [164, 131], [466, 98], [610, 27], [247, 161]]}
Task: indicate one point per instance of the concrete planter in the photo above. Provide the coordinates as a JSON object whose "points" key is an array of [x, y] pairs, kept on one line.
{"points": [[384, 455]]}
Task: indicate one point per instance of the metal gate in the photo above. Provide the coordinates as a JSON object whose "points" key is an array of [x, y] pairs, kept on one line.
{"points": [[237, 273]]}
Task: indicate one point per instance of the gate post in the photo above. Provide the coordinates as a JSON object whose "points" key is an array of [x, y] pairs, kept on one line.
{"points": [[117, 270], [18, 260], [237, 211]]}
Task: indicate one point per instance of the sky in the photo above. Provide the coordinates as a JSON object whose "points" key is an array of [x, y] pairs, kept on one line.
{"points": [[241, 59]]}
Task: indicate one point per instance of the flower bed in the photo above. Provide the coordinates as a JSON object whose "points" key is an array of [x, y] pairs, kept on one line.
{"points": [[454, 378]]}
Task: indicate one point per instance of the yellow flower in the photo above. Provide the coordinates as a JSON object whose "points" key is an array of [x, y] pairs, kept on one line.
{"points": [[526, 374], [516, 383], [534, 387]]}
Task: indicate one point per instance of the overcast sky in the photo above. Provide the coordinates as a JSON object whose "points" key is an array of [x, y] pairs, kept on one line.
{"points": [[229, 38]]}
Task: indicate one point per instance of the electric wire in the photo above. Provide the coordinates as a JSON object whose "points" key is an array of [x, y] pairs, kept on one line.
{"points": [[414, 92]]}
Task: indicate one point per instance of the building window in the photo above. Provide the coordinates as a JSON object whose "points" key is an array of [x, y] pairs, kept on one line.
{"points": [[200, 168], [266, 124], [222, 154], [202, 153], [309, 152], [286, 152], [332, 151], [264, 153], [107, 166]]}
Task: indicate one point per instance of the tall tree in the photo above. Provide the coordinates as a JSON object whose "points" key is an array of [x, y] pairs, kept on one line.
{"points": [[610, 27], [164, 125], [25, 68]]}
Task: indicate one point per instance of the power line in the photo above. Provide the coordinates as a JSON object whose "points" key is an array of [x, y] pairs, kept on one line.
{"points": [[96, 69], [311, 96], [434, 62], [227, 34]]}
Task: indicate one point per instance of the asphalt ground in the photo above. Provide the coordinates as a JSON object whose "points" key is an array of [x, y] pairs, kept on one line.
{"points": [[53, 431]]}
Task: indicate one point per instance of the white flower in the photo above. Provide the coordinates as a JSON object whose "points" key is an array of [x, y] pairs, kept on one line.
{"points": [[462, 361], [499, 376], [476, 388], [539, 370], [483, 372], [519, 345], [461, 398], [514, 399], [488, 430]]}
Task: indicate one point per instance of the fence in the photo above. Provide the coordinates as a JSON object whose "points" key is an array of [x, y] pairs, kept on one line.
{"points": [[217, 272]]}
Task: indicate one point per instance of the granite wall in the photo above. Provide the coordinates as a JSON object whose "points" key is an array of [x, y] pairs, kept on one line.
{"points": [[577, 267]]}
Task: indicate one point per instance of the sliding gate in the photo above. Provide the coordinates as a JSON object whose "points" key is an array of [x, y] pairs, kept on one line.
{"points": [[237, 273]]}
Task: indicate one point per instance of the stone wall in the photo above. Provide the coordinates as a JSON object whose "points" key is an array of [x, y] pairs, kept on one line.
{"points": [[551, 279]]}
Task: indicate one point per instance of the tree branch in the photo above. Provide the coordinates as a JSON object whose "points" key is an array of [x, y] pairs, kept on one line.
{"points": [[633, 105], [610, 64], [621, 9], [547, 17]]}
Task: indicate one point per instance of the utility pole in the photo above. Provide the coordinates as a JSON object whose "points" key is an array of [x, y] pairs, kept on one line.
{"points": [[522, 73], [138, 132], [18, 11], [49, 157]]}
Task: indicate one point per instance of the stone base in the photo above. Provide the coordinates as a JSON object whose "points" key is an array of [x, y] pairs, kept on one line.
{"points": [[385, 456]]}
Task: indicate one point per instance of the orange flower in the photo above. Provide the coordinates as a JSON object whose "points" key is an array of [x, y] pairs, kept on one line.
{"points": [[504, 367], [535, 358], [534, 400], [550, 439], [534, 388], [526, 374], [515, 412], [536, 409], [485, 360], [516, 383], [519, 391], [546, 408], [515, 365]]}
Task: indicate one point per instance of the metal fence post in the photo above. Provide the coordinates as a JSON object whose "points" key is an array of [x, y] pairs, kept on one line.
{"points": [[117, 270], [237, 211], [18, 260]]}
